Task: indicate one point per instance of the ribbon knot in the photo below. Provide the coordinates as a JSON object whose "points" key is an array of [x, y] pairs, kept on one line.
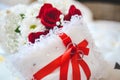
{"points": [[74, 53]]}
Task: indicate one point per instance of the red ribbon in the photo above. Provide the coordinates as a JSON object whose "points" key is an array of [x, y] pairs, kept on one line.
{"points": [[74, 53]]}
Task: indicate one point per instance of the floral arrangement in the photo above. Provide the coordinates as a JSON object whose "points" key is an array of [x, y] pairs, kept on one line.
{"points": [[50, 17], [23, 26]]}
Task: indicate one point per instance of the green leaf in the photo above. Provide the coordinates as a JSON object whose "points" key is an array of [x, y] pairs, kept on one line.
{"points": [[22, 16], [17, 29]]}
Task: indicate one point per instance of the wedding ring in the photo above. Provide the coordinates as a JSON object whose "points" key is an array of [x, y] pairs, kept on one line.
{"points": [[81, 54]]}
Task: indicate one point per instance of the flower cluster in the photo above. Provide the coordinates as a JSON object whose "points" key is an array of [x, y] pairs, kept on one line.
{"points": [[50, 17]]}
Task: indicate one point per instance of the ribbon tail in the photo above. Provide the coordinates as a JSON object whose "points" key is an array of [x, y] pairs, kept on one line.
{"points": [[65, 64], [85, 68], [47, 69], [75, 68], [64, 70]]}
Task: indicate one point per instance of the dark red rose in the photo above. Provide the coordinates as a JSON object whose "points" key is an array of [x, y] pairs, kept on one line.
{"points": [[72, 11], [49, 15], [43, 8], [35, 35]]}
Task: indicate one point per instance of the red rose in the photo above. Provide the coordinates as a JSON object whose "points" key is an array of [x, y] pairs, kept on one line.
{"points": [[49, 15], [32, 36], [72, 11], [43, 8]]}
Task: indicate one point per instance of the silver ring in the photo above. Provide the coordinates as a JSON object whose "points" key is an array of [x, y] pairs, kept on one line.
{"points": [[70, 45], [73, 44], [81, 53]]}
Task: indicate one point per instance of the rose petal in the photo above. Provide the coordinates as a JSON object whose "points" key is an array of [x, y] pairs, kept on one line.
{"points": [[32, 36], [72, 11], [43, 8]]}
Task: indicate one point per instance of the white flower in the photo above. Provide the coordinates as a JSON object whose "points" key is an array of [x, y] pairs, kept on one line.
{"points": [[33, 10], [29, 25]]}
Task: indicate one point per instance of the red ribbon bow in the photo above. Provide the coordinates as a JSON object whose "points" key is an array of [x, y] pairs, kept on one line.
{"points": [[73, 54]]}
